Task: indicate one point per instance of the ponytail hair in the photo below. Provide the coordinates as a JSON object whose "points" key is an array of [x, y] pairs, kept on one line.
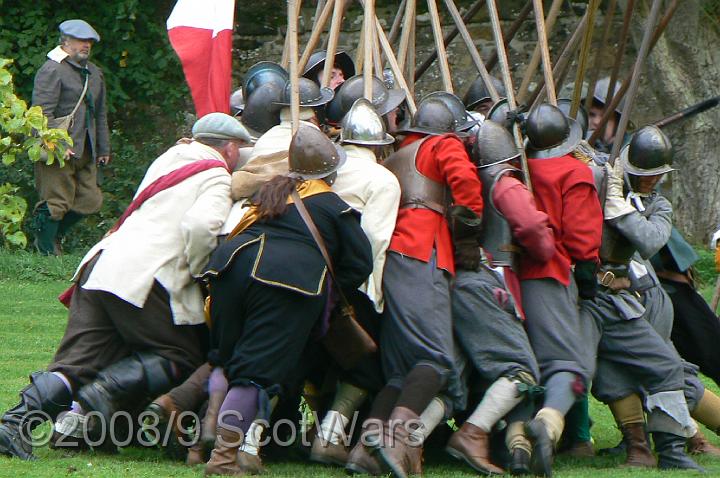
{"points": [[271, 198]]}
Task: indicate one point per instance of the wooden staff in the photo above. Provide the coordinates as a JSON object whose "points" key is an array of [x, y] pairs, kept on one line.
{"points": [[507, 81], [563, 62], [410, 59], [397, 22], [318, 28], [472, 49], [535, 60], [595, 73], [472, 11], [293, 13], [318, 9], [440, 46], [610, 108], [544, 51], [399, 78], [368, 34], [635, 81], [333, 37], [510, 33], [408, 23], [584, 54]]}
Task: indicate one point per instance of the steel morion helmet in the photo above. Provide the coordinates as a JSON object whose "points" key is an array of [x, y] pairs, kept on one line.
{"points": [[550, 133], [311, 94], [362, 125], [432, 117], [316, 63], [478, 92], [462, 122], [601, 90], [383, 99], [581, 117], [261, 73], [493, 145], [649, 153], [312, 155], [261, 112]]}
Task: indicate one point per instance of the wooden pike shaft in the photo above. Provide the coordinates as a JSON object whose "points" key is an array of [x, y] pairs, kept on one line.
{"points": [[535, 60], [472, 49], [595, 73], [510, 33], [625, 32], [293, 13], [408, 23], [472, 11], [318, 28], [507, 81], [545, 52], [583, 60], [440, 46], [387, 49], [368, 30], [397, 22], [610, 108], [635, 81], [333, 37]]}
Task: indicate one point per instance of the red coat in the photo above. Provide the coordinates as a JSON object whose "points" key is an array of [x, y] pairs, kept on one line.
{"points": [[418, 231], [564, 189]]}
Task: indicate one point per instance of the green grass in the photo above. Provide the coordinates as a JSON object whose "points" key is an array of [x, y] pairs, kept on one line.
{"points": [[32, 322]]}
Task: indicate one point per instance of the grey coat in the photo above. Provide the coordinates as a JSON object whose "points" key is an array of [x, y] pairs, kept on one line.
{"points": [[57, 89], [649, 230]]}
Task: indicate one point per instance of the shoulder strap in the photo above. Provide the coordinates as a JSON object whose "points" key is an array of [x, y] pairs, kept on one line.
{"points": [[82, 95], [307, 219]]}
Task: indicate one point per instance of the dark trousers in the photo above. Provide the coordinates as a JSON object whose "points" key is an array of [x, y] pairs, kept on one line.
{"points": [[696, 328], [260, 330], [103, 329]]}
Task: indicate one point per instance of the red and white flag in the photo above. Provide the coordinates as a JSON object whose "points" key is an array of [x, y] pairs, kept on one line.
{"points": [[200, 32]]}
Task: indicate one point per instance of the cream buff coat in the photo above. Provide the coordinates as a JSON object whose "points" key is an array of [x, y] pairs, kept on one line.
{"points": [[168, 239], [375, 192]]}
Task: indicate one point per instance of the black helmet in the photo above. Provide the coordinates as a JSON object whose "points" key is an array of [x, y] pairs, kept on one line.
{"points": [[310, 94], [499, 114], [463, 123], [261, 111], [432, 117], [648, 154], [550, 133], [581, 117], [601, 90], [478, 92], [261, 73], [316, 62], [312, 155], [383, 99], [493, 145]]}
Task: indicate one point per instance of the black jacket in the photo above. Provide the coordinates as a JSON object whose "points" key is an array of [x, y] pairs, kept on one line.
{"points": [[288, 256]]}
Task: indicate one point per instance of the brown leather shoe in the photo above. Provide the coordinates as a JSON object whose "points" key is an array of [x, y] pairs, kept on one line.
{"points": [[416, 459], [699, 445], [582, 449], [251, 464], [208, 425], [223, 460], [195, 455], [328, 453], [393, 451], [472, 445], [638, 450], [360, 461]]}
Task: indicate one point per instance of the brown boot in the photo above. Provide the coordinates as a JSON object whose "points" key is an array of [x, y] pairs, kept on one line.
{"points": [[209, 421], [328, 453], [699, 445], [251, 464], [638, 451], [416, 459], [223, 459], [581, 449], [195, 455], [168, 416], [393, 451], [360, 460], [472, 445]]}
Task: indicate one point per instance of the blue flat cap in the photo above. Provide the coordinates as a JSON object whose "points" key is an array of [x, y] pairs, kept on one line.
{"points": [[80, 29], [220, 126]]}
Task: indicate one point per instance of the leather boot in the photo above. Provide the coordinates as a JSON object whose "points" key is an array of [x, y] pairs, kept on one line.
{"points": [[327, 453], [195, 455], [46, 230], [638, 449], [519, 462], [416, 459], [393, 451], [223, 459], [125, 383], [543, 448], [251, 464], [209, 421], [472, 445], [360, 460], [671, 452], [699, 445], [168, 416], [43, 399]]}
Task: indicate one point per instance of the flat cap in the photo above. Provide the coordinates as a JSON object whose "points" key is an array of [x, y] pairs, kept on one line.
{"points": [[220, 126], [77, 28]]}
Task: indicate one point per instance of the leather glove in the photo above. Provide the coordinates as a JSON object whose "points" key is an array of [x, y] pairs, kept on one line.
{"points": [[586, 279], [615, 204], [467, 255]]}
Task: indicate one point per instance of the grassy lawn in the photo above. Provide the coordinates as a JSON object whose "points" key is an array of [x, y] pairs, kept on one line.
{"points": [[32, 322]]}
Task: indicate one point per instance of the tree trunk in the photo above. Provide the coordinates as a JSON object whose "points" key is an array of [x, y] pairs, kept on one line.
{"points": [[683, 69]]}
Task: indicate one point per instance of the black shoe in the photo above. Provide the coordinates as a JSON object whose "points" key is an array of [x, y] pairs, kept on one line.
{"points": [[542, 453], [520, 462], [618, 449], [671, 453]]}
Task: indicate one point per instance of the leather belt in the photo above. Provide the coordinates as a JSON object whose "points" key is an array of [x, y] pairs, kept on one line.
{"points": [[611, 281]]}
